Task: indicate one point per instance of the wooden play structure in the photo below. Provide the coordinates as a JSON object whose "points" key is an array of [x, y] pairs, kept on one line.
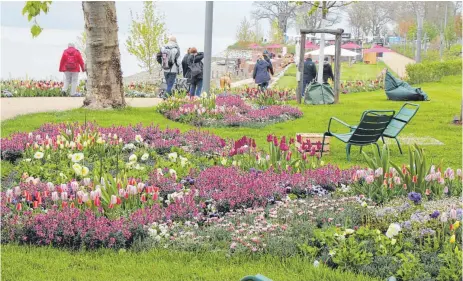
{"points": [[369, 58], [337, 60]]}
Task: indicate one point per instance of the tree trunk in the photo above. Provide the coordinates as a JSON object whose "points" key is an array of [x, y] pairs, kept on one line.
{"points": [[419, 31], [104, 85]]}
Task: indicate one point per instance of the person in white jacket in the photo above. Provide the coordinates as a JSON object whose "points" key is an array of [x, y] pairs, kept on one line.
{"points": [[169, 57]]}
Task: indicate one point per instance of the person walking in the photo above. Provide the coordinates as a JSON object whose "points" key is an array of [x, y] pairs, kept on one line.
{"points": [[185, 68], [71, 64], [195, 66], [261, 73], [168, 57], [310, 72], [327, 71], [267, 59]]}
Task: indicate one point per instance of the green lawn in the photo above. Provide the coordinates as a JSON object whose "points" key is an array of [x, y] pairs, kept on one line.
{"points": [[432, 120], [44, 263], [358, 71]]}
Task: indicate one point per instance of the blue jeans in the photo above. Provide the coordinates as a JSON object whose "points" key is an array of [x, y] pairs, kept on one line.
{"points": [[304, 86], [196, 87], [263, 86], [170, 81]]}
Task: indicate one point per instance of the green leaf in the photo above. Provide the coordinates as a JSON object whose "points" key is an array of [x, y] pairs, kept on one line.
{"points": [[36, 30]]}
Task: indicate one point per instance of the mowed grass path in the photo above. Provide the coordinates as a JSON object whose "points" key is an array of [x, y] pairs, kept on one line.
{"points": [[434, 119], [23, 263]]}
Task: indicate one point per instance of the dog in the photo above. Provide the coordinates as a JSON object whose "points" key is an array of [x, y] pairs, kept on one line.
{"points": [[225, 81]]}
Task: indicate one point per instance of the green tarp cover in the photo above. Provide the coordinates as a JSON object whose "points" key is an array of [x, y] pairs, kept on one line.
{"points": [[397, 89], [317, 93]]}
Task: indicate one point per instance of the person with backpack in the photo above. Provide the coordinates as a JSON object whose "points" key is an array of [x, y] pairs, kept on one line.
{"points": [[168, 58], [195, 66], [310, 73], [71, 64], [185, 68], [261, 73]]}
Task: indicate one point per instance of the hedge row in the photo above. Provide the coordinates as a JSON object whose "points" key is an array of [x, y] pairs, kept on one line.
{"points": [[432, 71]]}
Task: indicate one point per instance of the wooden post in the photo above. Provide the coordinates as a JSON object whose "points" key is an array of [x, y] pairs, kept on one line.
{"points": [[337, 68], [300, 83]]}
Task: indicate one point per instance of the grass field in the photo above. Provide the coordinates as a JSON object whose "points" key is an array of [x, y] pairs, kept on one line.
{"points": [[23, 263], [432, 120]]}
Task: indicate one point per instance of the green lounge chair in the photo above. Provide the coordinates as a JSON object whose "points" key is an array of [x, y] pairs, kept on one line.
{"points": [[371, 128], [399, 121], [257, 277]]}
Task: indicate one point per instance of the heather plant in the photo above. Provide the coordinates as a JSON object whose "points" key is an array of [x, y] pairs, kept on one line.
{"points": [[224, 110]]}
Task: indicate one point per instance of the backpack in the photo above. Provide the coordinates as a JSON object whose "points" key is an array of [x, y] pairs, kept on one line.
{"points": [[166, 59], [71, 62], [196, 68]]}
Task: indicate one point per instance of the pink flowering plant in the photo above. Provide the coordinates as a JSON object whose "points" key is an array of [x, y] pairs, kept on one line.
{"points": [[224, 110]]}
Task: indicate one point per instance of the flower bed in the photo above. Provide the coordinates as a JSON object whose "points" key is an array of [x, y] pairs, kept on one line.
{"points": [[269, 97], [49, 88], [225, 110], [83, 186], [358, 86]]}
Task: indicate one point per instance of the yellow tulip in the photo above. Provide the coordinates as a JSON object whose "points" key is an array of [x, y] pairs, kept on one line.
{"points": [[456, 225], [452, 239]]}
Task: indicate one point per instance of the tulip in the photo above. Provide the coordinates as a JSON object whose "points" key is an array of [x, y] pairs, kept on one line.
{"points": [[51, 186], [35, 204], [155, 196], [453, 213], [113, 200], [72, 205], [17, 190], [456, 225], [64, 204], [64, 196], [140, 186], [428, 191], [54, 196], [415, 179], [97, 201], [19, 207], [85, 197], [143, 198], [452, 239]]}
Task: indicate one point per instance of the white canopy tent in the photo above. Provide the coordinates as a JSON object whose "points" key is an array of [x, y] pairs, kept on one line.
{"points": [[330, 51]]}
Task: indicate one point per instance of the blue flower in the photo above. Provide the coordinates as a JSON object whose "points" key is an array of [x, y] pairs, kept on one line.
{"points": [[435, 214], [415, 197]]}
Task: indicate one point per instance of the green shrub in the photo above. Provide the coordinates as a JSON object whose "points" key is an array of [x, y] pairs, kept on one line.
{"points": [[432, 71]]}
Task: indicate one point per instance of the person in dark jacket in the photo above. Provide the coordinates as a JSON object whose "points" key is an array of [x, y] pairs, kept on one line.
{"points": [[185, 64], [261, 73], [195, 60], [267, 59], [310, 73], [327, 71]]}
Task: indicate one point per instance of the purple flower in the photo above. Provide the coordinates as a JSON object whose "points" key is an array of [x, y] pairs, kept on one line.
{"points": [[407, 225], [435, 214], [415, 197], [427, 232]]}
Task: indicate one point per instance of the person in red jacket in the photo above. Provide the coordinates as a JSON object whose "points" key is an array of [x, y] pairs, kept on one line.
{"points": [[71, 64]]}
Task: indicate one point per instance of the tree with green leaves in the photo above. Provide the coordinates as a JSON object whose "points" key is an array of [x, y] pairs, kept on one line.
{"points": [[146, 36], [104, 74], [244, 33]]}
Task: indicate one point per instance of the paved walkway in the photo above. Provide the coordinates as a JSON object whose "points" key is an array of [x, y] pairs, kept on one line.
{"points": [[397, 62], [12, 107]]}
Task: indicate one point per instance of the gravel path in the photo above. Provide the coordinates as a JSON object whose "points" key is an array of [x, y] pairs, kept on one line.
{"points": [[12, 107], [397, 62]]}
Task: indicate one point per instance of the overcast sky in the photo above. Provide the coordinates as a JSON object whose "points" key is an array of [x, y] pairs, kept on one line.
{"points": [[21, 55]]}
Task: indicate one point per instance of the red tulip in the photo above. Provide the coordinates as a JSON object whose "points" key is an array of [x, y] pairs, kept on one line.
{"points": [[72, 205], [35, 205], [19, 207], [275, 140], [64, 204], [143, 198], [97, 201], [415, 179], [155, 196]]}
